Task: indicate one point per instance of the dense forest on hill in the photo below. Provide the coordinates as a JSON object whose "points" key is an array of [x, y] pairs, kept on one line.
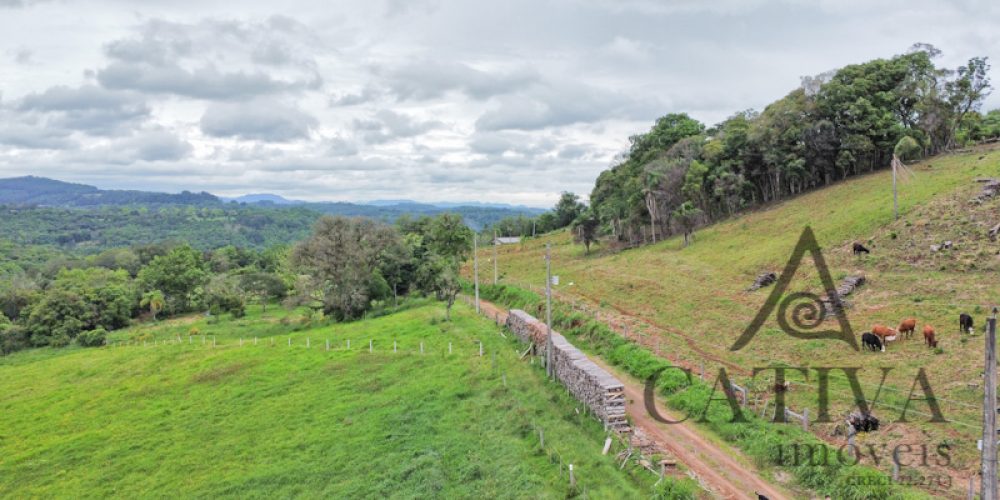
{"points": [[682, 174]]}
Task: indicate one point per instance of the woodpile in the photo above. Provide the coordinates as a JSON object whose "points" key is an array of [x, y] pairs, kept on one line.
{"points": [[834, 301], [764, 279], [991, 187], [587, 382]]}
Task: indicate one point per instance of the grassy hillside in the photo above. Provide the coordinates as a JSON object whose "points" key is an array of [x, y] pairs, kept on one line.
{"points": [[690, 304], [271, 420]]}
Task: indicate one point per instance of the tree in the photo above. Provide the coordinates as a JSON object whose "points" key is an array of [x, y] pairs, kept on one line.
{"points": [[340, 260], [263, 286], [448, 236], [438, 275], [687, 216], [154, 300], [585, 229], [567, 209], [223, 294], [179, 274], [907, 149], [968, 90]]}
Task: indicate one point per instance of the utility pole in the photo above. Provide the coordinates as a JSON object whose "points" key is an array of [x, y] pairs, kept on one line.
{"points": [[475, 266], [495, 275], [532, 228], [895, 194], [548, 310], [989, 472]]}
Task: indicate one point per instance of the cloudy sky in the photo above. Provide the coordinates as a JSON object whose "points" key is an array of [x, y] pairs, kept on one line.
{"points": [[510, 101]]}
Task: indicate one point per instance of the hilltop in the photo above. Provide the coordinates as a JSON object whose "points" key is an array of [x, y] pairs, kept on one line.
{"points": [[689, 304]]}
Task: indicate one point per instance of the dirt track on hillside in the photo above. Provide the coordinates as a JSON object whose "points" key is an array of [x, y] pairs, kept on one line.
{"points": [[720, 468]]}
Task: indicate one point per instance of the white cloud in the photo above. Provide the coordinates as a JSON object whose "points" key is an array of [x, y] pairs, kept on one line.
{"points": [[422, 100]]}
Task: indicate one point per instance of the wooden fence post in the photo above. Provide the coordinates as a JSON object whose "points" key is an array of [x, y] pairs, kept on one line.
{"points": [[371, 345], [572, 480]]}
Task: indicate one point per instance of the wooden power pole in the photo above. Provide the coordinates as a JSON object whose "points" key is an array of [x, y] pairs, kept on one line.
{"points": [[495, 274], [475, 267], [895, 194], [989, 472], [548, 310]]}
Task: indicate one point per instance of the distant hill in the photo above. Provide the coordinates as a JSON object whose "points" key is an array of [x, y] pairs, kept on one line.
{"points": [[40, 191], [262, 198], [78, 218], [30, 191]]}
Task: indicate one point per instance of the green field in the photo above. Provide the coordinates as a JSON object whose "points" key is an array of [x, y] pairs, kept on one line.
{"points": [[189, 419], [690, 304]]}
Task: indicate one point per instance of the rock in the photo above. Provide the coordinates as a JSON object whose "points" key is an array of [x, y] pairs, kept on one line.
{"points": [[764, 279], [994, 231], [947, 245], [935, 248]]}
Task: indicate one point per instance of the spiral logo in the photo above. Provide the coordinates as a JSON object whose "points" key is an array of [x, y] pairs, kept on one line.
{"points": [[801, 314], [805, 310]]}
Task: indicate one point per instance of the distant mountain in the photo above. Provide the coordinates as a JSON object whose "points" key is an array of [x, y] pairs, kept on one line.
{"points": [[41, 191], [263, 198]]}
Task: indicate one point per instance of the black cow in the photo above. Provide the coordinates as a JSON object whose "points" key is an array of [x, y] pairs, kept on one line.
{"points": [[871, 341], [860, 249], [965, 323], [863, 422]]}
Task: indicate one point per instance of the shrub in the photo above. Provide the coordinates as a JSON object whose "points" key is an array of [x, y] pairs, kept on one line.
{"points": [[908, 149], [92, 338], [194, 331]]}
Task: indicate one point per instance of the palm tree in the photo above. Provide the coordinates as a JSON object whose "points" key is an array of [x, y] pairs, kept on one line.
{"points": [[154, 301]]}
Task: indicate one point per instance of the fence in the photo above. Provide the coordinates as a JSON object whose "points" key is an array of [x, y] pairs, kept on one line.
{"points": [[682, 350]]}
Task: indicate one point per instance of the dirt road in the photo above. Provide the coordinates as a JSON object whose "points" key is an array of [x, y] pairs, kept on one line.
{"points": [[721, 468]]}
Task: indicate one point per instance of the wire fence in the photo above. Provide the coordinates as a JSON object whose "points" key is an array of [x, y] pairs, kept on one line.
{"points": [[637, 330]]}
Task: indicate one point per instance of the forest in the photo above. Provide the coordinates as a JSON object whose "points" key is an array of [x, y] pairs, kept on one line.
{"points": [[681, 174], [342, 269]]}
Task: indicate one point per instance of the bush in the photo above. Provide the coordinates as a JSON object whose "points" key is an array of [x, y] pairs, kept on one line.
{"points": [[92, 338], [908, 149]]}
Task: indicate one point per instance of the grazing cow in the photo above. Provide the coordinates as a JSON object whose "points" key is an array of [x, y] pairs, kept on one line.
{"points": [[871, 341], [965, 323], [908, 326], [929, 336], [885, 334], [860, 249]]}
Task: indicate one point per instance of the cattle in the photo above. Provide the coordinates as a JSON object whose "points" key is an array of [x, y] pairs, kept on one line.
{"points": [[860, 249], [884, 333], [965, 323], [929, 336], [908, 326], [871, 341], [863, 422]]}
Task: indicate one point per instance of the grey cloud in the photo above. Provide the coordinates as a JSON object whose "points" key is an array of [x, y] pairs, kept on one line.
{"points": [[388, 125], [213, 59], [88, 109], [23, 136], [565, 103], [429, 79], [205, 82], [260, 120], [157, 146], [21, 55]]}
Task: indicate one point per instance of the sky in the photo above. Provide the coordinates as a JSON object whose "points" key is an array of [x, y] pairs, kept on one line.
{"points": [[427, 100]]}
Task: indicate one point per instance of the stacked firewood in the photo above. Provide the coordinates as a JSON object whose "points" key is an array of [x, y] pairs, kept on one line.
{"points": [[588, 383]]}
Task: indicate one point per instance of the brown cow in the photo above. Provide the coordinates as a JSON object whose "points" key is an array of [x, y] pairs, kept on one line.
{"points": [[929, 336], [908, 326], [882, 332]]}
